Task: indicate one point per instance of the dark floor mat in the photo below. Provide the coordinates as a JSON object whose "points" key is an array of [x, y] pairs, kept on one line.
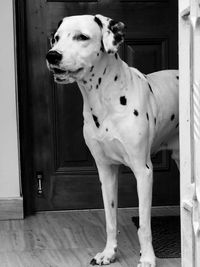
{"points": [[166, 236]]}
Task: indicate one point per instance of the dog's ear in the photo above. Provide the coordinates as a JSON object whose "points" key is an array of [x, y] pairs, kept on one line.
{"points": [[112, 33]]}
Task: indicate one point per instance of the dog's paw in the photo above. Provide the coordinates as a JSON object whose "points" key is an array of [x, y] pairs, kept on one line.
{"points": [[147, 261], [106, 257], [146, 264]]}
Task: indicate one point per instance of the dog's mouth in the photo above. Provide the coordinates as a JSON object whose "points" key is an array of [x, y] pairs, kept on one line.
{"points": [[59, 71], [64, 76]]}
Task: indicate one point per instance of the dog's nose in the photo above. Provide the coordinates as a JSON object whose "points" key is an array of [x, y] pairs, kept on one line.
{"points": [[53, 57]]}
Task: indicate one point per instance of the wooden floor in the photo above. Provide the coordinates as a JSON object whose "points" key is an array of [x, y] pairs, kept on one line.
{"points": [[68, 239]]}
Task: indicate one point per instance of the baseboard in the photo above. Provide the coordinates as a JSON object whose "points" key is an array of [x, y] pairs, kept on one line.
{"points": [[161, 211], [11, 208], [155, 210]]}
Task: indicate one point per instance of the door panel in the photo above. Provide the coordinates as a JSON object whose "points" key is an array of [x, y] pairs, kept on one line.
{"points": [[69, 177], [148, 55]]}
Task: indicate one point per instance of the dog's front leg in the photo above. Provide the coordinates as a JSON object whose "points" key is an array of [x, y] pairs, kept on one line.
{"points": [[144, 177], [108, 175]]}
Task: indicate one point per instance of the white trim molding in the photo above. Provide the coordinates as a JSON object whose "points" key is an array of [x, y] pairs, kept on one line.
{"points": [[10, 187], [11, 208]]}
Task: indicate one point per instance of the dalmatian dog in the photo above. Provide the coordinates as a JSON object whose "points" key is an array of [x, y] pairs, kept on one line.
{"points": [[127, 116]]}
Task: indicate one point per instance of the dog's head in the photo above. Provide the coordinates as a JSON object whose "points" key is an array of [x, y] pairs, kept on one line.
{"points": [[78, 44]]}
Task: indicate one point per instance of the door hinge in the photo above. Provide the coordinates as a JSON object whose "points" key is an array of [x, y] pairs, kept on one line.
{"points": [[40, 178]]}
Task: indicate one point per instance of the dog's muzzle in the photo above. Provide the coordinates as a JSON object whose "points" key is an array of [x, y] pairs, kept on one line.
{"points": [[62, 74]]}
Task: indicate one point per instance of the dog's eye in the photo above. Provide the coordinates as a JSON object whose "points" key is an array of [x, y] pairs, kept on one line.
{"points": [[56, 38], [52, 41], [81, 37]]}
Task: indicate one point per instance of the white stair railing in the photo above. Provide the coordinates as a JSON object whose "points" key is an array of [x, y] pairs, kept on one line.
{"points": [[189, 65]]}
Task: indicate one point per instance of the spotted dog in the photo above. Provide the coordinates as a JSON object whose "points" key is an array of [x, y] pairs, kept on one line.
{"points": [[127, 115]]}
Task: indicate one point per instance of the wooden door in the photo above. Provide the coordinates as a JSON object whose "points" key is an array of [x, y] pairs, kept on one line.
{"points": [[63, 172], [189, 98]]}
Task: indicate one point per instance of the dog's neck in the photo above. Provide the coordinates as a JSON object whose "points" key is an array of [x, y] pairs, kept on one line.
{"points": [[105, 85], [105, 65]]}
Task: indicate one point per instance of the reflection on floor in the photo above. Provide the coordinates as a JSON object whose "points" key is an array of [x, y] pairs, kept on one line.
{"points": [[67, 239]]}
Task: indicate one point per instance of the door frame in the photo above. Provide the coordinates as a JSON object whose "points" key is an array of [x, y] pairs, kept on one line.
{"points": [[189, 112], [23, 105]]}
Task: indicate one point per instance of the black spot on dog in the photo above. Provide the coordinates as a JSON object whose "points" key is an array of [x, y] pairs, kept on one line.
{"points": [[97, 86], [102, 47], [150, 88], [104, 71], [116, 77], [147, 166], [177, 77], [135, 112], [90, 79], [172, 117], [92, 74], [93, 262], [155, 121], [123, 100], [112, 23], [112, 204], [106, 129], [96, 120], [98, 21], [118, 37], [116, 55], [91, 109], [117, 32], [91, 68], [84, 81], [59, 23], [97, 54], [177, 125], [99, 81], [147, 116]]}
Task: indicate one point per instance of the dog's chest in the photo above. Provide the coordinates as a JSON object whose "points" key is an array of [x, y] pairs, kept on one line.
{"points": [[112, 146], [108, 138]]}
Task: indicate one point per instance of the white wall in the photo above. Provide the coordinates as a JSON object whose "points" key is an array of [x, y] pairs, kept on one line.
{"points": [[9, 163]]}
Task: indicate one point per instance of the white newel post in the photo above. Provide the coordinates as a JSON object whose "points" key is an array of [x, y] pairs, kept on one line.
{"points": [[189, 65]]}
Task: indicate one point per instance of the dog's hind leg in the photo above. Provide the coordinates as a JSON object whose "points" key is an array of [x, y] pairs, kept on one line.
{"points": [[108, 175], [173, 145], [144, 175], [175, 157]]}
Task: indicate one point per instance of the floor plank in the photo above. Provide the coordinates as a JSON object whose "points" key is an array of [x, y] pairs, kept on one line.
{"points": [[67, 239]]}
